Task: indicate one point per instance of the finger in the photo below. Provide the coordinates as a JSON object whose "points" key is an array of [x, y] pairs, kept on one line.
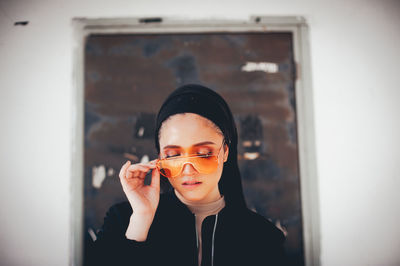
{"points": [[149, 165], [137, 171], [129, 183], [155, 179], [142, 174], [124, 181], [123, 169], [153, 162], [140, 165]]}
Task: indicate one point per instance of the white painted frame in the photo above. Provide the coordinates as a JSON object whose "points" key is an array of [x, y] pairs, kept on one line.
{"points": [[84, 27]]}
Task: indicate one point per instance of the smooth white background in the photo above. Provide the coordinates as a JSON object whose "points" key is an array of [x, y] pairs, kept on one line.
{"points": [[355, 57]]}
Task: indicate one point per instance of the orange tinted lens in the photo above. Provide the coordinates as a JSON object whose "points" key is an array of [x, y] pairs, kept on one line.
{"points": [[205, 164], [173, 167], [170, 167]]}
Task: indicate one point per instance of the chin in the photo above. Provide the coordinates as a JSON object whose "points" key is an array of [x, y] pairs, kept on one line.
{"points": [[192, 196]]}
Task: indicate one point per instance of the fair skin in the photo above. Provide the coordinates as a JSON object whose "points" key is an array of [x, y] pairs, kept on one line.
{"points": [[179, 135]]}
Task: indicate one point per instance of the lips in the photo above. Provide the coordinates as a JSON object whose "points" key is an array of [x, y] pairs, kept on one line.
{"points": [[191, 183]]}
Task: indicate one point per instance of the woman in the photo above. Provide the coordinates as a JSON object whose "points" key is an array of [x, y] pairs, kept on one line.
{"points": [[203, 220]]}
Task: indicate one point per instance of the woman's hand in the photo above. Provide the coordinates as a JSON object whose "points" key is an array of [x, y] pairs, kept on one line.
{"points": [[143, 199]]}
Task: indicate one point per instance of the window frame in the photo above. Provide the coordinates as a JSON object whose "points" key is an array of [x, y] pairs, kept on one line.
{"points": [[83, 27]]}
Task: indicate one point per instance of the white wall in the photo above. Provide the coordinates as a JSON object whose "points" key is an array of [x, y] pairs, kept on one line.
{"points": [[355, 55]]}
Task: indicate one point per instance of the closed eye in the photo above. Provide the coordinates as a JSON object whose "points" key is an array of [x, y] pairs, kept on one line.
{"points": [[171, 156], [205, 154]]}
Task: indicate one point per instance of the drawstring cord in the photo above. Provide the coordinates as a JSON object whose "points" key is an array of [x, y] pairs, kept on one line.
{"points": [[213, 236]]}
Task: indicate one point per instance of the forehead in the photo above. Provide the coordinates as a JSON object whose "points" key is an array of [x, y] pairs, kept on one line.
{"points": [[188, 129]]}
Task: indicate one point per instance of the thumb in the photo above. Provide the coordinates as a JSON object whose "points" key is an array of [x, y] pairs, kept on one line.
{"points": [[155, 179]]}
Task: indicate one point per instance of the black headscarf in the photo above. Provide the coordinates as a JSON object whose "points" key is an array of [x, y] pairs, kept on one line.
{"points": [[193, 98]]}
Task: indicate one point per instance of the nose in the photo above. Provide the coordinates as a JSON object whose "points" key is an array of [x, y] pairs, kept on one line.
{"points": [[188, 169]]}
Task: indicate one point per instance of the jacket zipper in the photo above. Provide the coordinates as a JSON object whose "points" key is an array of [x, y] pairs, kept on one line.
{"points": [[213, 236], [197, 237]]}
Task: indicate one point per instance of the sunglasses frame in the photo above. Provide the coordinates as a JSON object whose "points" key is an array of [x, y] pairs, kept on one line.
{"points": [[186, 157]]}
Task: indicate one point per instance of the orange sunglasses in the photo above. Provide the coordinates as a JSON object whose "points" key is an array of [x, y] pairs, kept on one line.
{"points": [[204, 163]]}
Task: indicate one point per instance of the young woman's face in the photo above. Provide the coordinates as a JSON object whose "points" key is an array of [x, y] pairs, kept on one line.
{"points": [[188, 133]]}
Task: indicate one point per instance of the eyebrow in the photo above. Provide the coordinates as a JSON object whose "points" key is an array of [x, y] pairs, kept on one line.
{"points": [[195, 145]]}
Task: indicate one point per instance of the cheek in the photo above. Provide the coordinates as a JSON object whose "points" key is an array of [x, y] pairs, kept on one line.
{"points": [[217, 175], [172, 181]]}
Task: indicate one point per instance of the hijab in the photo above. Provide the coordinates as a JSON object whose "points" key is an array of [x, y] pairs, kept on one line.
{"points": [[201, 100]]}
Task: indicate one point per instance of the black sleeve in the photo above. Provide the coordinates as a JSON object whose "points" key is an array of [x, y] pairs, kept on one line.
{"points": [[277, 249], [112, 247], [269, 251], [268, 243]]}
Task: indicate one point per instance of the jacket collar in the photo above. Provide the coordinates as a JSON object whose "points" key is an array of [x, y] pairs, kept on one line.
{"points": [[227, 210]]}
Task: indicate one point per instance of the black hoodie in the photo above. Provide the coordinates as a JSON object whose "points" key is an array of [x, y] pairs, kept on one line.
{"points": [[235, 236]]}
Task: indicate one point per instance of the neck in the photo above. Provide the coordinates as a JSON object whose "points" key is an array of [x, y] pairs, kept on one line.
{"points": [[186, 201]]}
